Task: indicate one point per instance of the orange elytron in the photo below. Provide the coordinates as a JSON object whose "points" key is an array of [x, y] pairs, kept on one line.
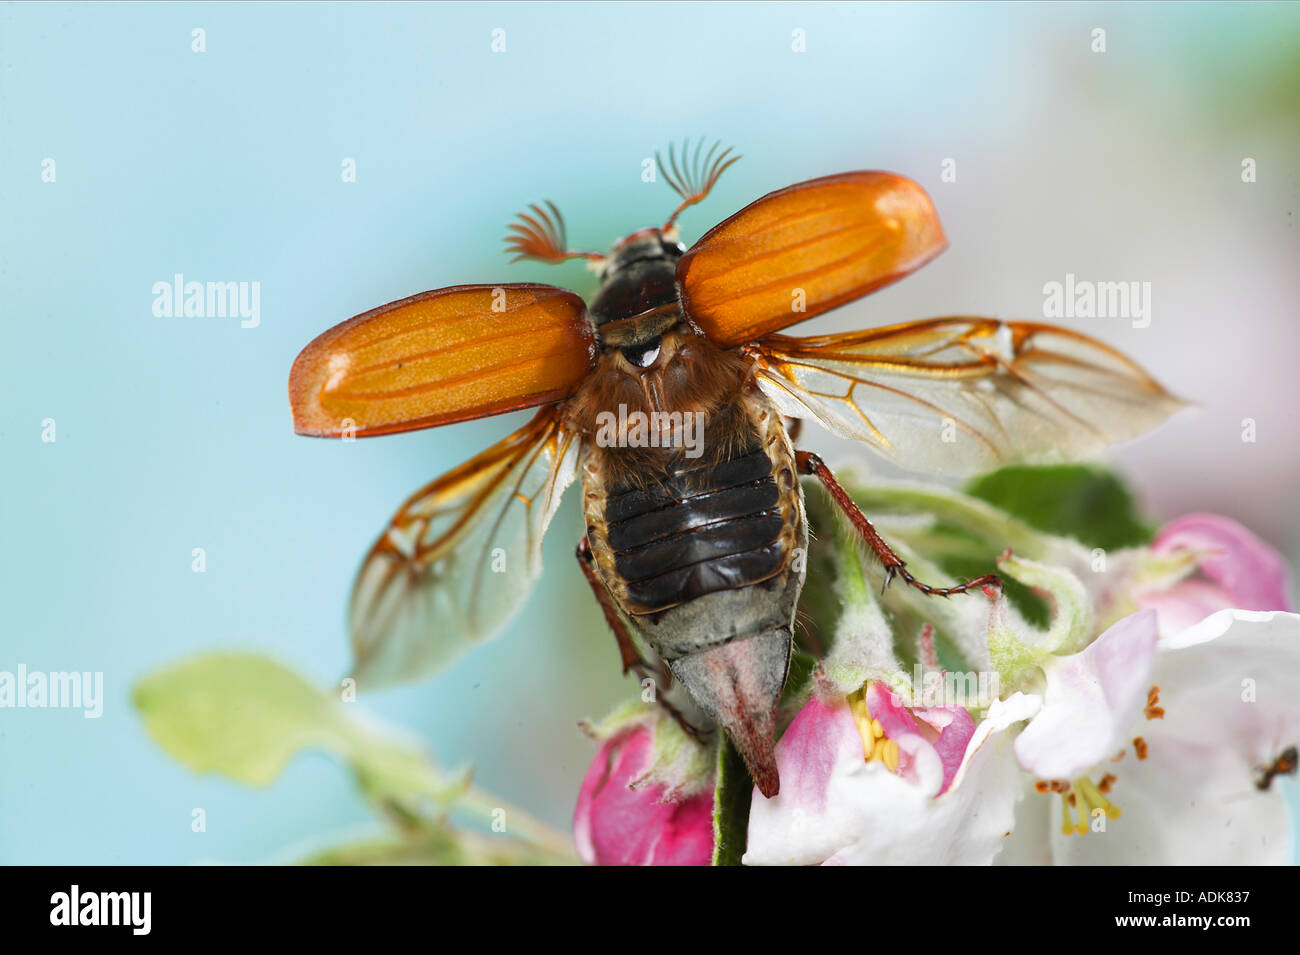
{"points": [[668, 394]]}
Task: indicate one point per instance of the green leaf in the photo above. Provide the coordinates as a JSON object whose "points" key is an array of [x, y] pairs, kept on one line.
{"points": [[239, 715], [1087, 503], [245, 716], [731, 806]]}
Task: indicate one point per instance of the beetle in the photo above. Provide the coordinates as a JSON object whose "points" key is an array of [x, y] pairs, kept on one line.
{"points": [[691, 547]]}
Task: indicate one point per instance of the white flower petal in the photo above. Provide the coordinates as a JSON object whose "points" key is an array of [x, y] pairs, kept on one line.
{"points": [[1092, 699], [1231, 681], [1193, 800], [1030, 840], [851, 811], [1001, 715], [1217, 624], [1183, 806], [964, 826]]}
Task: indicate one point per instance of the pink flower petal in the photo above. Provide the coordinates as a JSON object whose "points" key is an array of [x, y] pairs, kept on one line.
{"points": [[1253, 573], [954, 725], [952, 741], [819, 736], [1185, 604], [614, 825], [865, 815], [895, 718]]}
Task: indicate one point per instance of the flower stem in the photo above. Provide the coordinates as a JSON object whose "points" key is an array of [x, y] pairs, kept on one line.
{"points": [[484, 807]]}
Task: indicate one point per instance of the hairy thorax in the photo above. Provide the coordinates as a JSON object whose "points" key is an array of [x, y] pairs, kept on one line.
{"points": [[683, 404], [689, 485]]}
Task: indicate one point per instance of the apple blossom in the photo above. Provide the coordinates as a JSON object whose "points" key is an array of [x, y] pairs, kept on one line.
{"points": [[647, 798], [872, 782], [1130, 727], [1239, 571], [1180, 785], [1104, 710], [1197, 715]]}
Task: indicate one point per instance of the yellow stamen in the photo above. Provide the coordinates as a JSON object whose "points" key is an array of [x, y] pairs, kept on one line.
{"points": [[876, 746], [891, 756], [1094, 799], [862, 718], [1084, 796]]}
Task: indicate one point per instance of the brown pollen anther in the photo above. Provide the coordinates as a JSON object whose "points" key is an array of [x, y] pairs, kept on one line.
{"points": [[1153, 710]]}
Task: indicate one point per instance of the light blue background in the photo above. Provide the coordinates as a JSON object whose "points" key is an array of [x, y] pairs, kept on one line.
{"points": [[175, 434]]}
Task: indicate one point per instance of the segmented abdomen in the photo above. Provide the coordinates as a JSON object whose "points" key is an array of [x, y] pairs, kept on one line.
{"points": [[696, 530]]}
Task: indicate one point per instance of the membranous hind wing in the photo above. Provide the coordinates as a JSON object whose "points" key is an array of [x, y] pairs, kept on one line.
{"points": [[460, 556], [804, 250], [962, 395], [448, 355]]}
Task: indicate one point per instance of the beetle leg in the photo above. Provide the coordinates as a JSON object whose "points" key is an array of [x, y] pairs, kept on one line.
{"points": [[811, 464], [628, 652], [626, 648]]}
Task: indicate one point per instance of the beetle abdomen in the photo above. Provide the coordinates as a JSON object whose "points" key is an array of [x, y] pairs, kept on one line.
{"points": [[704, 557], [698, 530], [701, 551]]}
